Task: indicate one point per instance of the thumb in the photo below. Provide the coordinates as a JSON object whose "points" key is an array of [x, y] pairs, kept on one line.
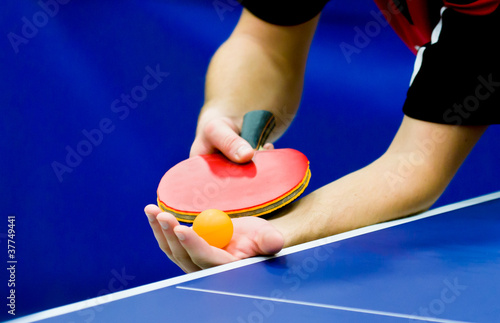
{"points": [[222, 134], [270, 241]]}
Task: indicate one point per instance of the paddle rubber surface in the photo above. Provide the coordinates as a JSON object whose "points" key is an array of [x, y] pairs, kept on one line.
{"points": [[272, 179]]}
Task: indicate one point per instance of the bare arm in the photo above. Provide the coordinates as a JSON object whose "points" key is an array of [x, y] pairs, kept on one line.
{"points": [[260, 66], [407, 179]]}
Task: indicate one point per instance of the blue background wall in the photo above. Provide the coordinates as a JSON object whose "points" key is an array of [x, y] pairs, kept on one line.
{"points": [[81, 231]]}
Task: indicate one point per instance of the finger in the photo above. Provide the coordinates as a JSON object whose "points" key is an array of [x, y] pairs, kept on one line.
{"points": [[222, 134], [201, 146], [201, 253], [269, 240], [268, 146], [151, 212], [177, 252]]}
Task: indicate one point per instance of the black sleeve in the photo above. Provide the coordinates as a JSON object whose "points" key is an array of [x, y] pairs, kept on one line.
{"points": [[458, 80], [284, 12]]}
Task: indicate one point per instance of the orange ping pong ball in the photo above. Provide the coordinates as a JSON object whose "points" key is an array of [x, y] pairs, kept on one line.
{"points": [[214, 226]]}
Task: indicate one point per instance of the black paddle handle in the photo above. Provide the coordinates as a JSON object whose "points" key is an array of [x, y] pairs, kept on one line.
{"points": [[257, 125]]}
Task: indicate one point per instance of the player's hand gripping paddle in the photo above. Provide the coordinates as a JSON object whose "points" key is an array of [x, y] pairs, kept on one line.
{"points": [[271, 180]]}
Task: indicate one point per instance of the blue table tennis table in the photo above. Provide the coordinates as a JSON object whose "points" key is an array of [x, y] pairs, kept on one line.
{"points": [[439, 266]]}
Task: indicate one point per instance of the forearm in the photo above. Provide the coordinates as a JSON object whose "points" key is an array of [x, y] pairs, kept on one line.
{"points": [[407, 179], [242, 77], [256, 70], [362, 198]]}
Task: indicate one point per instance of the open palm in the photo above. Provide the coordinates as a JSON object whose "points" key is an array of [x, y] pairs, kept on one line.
{"points": [[252, 237]]}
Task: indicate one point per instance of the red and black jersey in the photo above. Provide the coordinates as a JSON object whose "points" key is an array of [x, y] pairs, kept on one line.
{"points": [[414, 20], [456, 79]]}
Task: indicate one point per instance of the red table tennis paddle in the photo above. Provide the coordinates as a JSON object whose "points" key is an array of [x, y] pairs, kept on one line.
{"points": [[271, 180]]}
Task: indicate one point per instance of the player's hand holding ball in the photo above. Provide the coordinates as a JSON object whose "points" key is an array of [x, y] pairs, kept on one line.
{"points": [[252, 236]]}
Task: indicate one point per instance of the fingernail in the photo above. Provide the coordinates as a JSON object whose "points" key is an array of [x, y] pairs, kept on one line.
{"points": [[180, 236], [151, 217], [242, 150], [164, 225]]}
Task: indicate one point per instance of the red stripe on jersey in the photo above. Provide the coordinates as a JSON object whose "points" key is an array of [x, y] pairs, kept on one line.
{"points": [[418, 32], [476, 8]]}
